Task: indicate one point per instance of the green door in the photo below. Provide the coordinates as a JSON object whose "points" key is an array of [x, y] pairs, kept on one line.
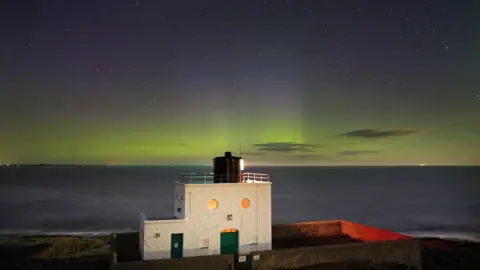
{"points": [[229, 243], [176, 248]]}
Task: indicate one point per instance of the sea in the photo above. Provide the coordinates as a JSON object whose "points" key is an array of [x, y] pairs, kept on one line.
{"points": [[419, 201]]}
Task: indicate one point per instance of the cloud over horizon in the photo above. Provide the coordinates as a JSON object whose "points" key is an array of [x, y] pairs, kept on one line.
{"points": [[376, 133], [306, 156], [286, 147], [357, 152]]}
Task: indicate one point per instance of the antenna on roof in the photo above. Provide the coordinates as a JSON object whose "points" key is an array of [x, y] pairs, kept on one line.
{"points": [[240, 149]]}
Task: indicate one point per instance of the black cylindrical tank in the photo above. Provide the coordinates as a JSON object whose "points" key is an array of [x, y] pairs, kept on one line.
{"points": [[227, 169]]}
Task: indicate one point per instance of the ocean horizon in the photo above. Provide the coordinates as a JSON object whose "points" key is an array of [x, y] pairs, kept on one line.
{"points": [[430, 201]]}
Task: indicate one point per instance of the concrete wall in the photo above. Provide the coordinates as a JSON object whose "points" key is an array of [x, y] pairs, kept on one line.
{"points": [[179, 201], [405, 251], [202, 226], [141, 234], [217, 262], [157, 238]]}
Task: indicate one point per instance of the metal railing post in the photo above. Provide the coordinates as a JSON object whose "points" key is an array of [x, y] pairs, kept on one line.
{"points": [[244, 177]]}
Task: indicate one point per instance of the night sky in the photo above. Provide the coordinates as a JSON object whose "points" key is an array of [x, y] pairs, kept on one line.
{"points": [[377, 82]]}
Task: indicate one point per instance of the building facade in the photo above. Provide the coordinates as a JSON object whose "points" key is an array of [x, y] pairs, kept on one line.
{"points": [[212, 216]]}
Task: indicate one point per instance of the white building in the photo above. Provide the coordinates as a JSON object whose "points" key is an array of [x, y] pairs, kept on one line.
{"points": [[213, 215]]}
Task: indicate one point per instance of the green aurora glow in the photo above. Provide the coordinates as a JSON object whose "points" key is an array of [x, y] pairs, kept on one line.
{"points": [[291, 82]]}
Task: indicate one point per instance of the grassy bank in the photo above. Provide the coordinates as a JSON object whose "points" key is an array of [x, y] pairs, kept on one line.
{"points": [[54, 252], [77, 252]]}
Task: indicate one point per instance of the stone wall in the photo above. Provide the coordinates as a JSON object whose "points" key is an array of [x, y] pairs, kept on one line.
{"points": [[369, 234], [307, 229], [334, 228]]}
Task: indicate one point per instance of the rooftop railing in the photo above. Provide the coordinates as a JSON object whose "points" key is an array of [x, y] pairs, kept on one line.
{"points": [[248, 177], [210, 178], [191, 178]]}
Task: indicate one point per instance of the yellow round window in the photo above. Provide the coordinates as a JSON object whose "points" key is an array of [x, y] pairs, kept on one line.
{"points": [[245, 203], [212, 204]]}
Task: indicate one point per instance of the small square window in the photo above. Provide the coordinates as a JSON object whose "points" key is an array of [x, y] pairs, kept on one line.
{"points": [[179, 210], [229, 217], [157, 235]]}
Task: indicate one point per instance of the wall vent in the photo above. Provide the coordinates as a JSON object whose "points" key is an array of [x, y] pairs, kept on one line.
{"points": [[204, 243]]}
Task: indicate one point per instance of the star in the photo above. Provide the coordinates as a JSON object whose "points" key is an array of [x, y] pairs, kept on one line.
{"points": [[314, 49]]}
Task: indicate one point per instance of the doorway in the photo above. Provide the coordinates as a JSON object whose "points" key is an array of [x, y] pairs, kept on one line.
{"points": [[229, 242], [176, 247]]}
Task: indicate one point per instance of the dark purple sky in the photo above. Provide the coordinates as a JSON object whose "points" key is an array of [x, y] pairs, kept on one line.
{"points": [[293, 82]]}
